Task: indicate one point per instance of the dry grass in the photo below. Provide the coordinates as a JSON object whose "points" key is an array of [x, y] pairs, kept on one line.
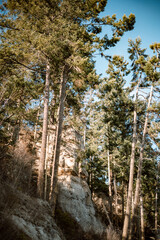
{"points": [[112, 234], [17, 167]]}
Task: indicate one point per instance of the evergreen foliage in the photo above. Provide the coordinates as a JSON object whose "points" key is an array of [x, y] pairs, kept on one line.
{"points": [[46, 64]]}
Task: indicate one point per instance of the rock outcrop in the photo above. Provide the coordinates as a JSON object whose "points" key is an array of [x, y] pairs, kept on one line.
{"points": [[75, 198]]}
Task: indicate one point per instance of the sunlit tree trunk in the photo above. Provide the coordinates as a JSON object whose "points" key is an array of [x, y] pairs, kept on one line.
{"points": [[132, 202], [109, 182], [46, 169], [54, 177], [122, 201], [130, 223], [40, 182], [115, 191], [130, 188], [142, 217]]}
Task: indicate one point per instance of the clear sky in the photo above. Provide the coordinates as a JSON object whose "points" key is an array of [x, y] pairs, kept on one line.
{"points": [[147, 25]]}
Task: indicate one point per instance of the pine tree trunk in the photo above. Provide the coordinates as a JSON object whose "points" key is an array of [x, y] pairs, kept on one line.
{"points": [[46, 169], [40, 181], [142, 218], [130, 226], [156, 208], [116, 197], [139, 173], [122, 201], [132, 202], [110, 185], [130, 187], [54, 178], [115, 191]]}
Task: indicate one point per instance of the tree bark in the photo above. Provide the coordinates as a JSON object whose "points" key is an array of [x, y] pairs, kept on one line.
{"points": [[116, 196], [130, 187], [115, 191], [54, 178], [110, 185], [46, 169], [122, 201], [156, 208], [40, 181], [142, 218]]}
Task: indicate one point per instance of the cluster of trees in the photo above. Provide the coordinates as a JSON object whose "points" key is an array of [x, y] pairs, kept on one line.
{"points": [[123, 137], [47, 75]]}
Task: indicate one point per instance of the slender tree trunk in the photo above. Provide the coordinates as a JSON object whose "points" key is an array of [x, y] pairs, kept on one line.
{"points": [[130, 187], [40, 181], [46, 169], [156, 208], [139, 173], [130, 223], [115, 191], [116, 197], [142, 217], [132, 202], [122, 201], [109, 182], [130, 226], [54, 178]]}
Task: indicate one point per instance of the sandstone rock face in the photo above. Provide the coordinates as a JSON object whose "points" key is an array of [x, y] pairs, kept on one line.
{"points": [[75, 198]]}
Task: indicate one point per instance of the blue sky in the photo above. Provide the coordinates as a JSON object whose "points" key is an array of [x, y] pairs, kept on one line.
{"points": [[147, 25]]}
